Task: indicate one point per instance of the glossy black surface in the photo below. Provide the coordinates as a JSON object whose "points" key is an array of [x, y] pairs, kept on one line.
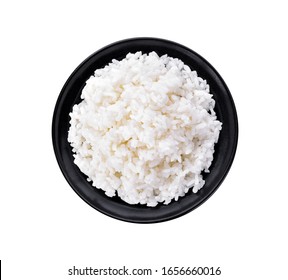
{"points": [[224, 150]]}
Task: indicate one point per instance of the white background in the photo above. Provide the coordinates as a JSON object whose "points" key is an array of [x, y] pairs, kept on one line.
{"points": [[46, 228]]}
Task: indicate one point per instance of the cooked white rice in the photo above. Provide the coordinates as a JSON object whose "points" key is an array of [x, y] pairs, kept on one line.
{"points": [[145, 129]]}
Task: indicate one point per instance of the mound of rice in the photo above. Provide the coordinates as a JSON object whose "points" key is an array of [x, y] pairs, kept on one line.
{"points": [[145, 129]]}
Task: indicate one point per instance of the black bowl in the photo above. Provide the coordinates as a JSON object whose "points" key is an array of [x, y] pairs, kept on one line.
{"points": [[224, 150]]}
